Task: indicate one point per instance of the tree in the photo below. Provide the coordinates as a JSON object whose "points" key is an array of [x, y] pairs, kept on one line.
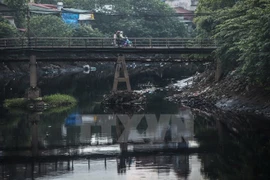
{"points": [[49, 26], [86, 31], [151, 18], [20, 8], [242, 31], [206, 13], [6, 29]]}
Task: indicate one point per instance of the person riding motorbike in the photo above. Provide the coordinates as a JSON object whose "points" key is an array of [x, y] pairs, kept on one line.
{"points": [[119, 38]]}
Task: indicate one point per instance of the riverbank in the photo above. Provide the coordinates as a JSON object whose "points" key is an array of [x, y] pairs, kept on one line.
{"points": [[232, 93]]}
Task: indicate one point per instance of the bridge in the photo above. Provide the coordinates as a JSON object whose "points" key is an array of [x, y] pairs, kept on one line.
{"points": [[90, 49], [67, 45], [103, 49]]}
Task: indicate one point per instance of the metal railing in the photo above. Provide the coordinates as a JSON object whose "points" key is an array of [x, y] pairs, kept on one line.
{"points": [[82, 42]]}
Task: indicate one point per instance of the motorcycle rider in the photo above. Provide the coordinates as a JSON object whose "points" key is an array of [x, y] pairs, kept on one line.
{"points": [[119, 38]]}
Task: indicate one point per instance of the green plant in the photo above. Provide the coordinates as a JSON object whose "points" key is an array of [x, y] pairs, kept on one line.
{"points": [[17, 102], [57, 100]]}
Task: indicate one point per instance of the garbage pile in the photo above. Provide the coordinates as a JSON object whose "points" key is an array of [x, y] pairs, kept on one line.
{"points": [[124, 102]]}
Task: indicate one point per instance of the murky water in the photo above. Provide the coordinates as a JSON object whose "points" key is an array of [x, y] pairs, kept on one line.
{"points": [[70, 143], [142, 167]]}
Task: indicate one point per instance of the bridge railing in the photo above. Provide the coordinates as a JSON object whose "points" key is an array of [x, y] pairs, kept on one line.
{"points": [[83, 42]]}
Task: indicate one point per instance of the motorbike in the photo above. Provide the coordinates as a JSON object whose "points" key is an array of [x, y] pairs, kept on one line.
{"points": [[125, 42]]}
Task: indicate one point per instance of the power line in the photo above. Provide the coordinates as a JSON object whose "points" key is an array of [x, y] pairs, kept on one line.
{"points": [[156, 15], [121, 14]]}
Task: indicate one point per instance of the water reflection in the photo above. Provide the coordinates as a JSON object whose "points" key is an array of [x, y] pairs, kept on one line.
{"points": [[73, 130], [157, 167], [72, 144], [55, 148]]}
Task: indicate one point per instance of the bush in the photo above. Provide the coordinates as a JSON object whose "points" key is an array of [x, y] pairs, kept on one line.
{"points": [[56, 100]]}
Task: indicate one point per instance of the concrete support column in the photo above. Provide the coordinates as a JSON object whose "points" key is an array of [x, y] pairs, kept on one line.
{"points": [[218, 70], [33, 71], [33, 92], [121, 66]]}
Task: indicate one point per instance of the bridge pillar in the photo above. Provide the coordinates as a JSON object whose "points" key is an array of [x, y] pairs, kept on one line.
{"points": [[218, 72], [121, 66], [33, 92], [34, 118]]}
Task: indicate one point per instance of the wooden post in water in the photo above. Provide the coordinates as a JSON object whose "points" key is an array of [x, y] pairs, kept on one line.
{"points": [[121, 66]]}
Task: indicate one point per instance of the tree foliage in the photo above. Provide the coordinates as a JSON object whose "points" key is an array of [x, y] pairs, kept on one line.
{"points": [[140, 18], [20, 8], [242, 30], [49, 26], [6, 29], [149, 18], [86, 31], [53, 26]]}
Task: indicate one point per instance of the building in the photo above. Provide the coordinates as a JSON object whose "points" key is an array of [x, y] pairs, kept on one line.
{"points": [[185, 8], [69, 15], [189, 5], [77, 16], [43, 9]]}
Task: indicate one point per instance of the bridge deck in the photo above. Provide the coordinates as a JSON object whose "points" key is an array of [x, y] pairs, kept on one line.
{"points": [[106, 45]]}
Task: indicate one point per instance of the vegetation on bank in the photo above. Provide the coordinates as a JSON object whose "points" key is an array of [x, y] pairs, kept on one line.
{"points": [[57, 100], [51, 101], [16, 102], [242, 30]]}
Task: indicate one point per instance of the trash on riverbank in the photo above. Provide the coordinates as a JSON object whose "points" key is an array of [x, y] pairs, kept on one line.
{"points": [[124, 101], [183, 83], [233, 93]]}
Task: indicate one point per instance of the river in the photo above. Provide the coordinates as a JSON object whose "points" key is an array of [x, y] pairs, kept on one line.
{"points": [[70, 143]]}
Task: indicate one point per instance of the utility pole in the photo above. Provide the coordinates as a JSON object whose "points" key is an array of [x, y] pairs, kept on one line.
{"points": [[28, 24]]}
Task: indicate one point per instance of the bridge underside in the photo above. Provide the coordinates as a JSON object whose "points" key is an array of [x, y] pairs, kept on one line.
{"points": [[127, 50], [96, 56]]}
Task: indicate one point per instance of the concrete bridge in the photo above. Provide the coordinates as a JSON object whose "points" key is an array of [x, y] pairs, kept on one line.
{"points": [[103, 49], [66, 45], [82, 48]]}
